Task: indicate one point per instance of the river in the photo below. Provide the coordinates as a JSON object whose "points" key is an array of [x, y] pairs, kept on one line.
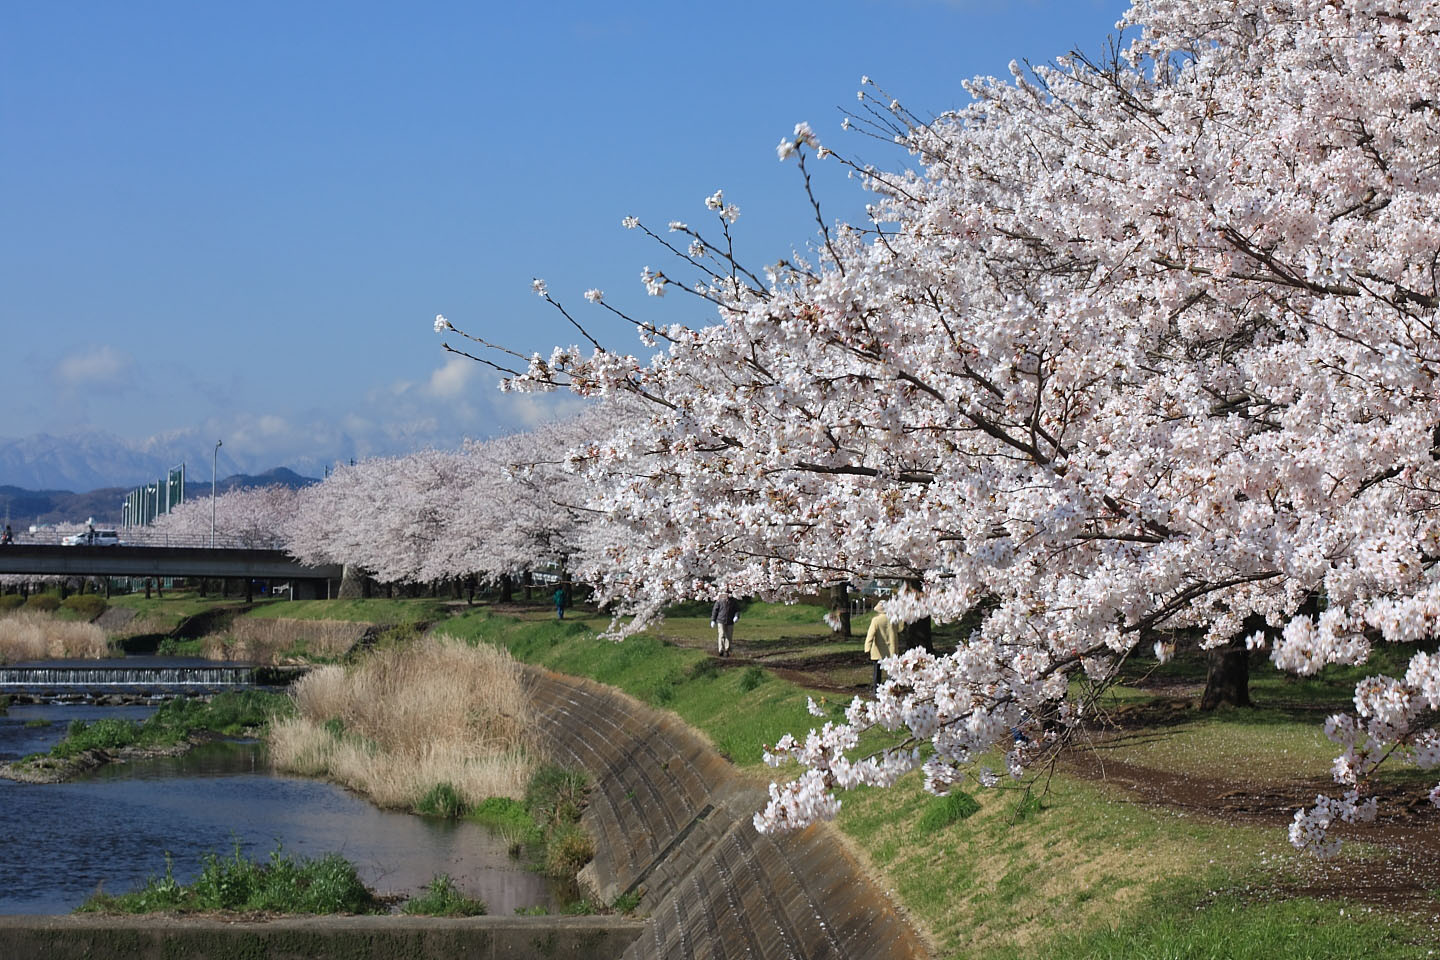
{"points": [[60, 842]]}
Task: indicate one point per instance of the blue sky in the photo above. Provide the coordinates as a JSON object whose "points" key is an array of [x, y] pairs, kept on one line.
{"points": [[238, 221]]}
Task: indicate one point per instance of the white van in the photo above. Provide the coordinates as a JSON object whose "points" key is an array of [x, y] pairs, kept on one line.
{"points": [[97, 538]]}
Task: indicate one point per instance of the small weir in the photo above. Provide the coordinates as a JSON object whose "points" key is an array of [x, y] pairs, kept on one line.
{"points": [[135, 677]]}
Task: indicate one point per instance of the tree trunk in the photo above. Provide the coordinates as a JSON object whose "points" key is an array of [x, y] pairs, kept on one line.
{"points": [[840, 607], [352, 583], [147, 588], [1228, 680], [507, 588], [529, 583], [470, 590]]}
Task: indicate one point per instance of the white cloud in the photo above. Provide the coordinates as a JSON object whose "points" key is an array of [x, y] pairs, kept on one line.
{"points": [[525, 411], [451, 379], [95, 368]]}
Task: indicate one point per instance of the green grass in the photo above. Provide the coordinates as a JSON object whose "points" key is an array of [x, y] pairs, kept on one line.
{"points": [[1233, 928], [509, 818], [282, 884], [360, 611], [441, 899], [164, 614], [738, 722], [442, 800], [173, 647]]}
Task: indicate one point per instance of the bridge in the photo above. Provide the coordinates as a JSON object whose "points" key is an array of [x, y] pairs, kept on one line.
{"points": [[128, 560]]}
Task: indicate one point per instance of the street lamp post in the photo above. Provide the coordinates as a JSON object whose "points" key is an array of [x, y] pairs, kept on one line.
{"points": [[213, 455]]}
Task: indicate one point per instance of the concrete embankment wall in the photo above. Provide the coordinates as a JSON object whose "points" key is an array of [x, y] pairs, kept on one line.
{"points": [[672, 820], [316, 938]]}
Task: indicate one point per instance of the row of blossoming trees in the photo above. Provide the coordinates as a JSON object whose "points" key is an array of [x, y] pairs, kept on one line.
{"points": [[1138, 348], [491, 510]]}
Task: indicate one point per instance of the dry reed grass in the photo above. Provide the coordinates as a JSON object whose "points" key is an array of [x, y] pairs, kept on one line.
{"points": [[405, 719], [270, 640], [35, 635]]}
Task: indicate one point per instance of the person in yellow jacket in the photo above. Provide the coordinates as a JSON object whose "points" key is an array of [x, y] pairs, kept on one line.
{"points": [[881, 640]]}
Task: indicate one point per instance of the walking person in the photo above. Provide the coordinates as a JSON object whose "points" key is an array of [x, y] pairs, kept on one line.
{"points": [[881, 640], [723, 616], [560, 602]]}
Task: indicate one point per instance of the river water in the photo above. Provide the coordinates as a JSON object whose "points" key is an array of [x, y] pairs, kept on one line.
{"points": [[60, 842]]}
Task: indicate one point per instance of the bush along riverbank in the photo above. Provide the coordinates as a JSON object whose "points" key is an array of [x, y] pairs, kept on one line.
{"points": [[174, 728], [281, 884]]}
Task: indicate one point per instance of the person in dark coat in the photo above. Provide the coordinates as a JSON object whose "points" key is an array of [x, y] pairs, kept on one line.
{"points": [[560, 602], [723, 616]]}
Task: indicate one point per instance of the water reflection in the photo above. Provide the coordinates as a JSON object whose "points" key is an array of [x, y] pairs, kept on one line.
{"points": [[59, 842]]}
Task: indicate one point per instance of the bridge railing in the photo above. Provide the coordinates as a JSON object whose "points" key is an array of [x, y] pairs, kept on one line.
{"points": [[141, 537]]}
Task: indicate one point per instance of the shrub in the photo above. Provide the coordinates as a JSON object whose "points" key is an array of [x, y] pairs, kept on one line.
{"points": [[627, 902], [442, 800], [110, 733], [556, 795], [85, 606], [284, 884], [943, 811], [43, 602], [567, 849], [10, 601], [441, 899]]}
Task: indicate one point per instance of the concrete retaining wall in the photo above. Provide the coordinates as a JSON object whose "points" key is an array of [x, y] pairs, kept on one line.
{"points": [[316, 938], [672, 820]]}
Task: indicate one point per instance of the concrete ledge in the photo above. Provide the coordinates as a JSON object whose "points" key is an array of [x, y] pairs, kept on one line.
{"points": [[316, 938]]}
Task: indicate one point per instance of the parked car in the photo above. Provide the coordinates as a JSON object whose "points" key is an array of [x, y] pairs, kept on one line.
{"points": [[92, 538]]}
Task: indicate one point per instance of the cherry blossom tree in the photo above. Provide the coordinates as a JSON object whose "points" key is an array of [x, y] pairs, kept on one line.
{"points": [[245, 517], [1140, 346], [491, 510]]}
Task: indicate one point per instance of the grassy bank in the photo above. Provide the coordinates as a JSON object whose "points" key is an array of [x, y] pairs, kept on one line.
{"points": [[362, 611], [1080, 871]]}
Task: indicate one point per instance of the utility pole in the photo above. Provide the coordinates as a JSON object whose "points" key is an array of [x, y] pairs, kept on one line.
{"points": [[213, 455]]}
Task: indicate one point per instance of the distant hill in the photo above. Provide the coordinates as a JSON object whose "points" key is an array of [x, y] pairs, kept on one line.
{"points": [[25, 507]]}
